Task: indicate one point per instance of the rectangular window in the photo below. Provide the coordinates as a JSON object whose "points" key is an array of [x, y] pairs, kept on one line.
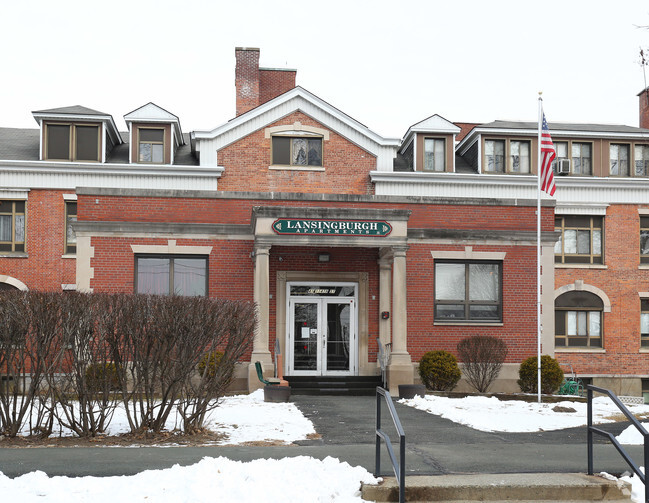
{"points": [[494, 151], [434, 154], [151, 145], [580, 328], [72, 142], [171, 274], [580, 241], [468, 291], [619, 158], [561, 150], [581, 159], [300, 151], [641, 160], [12, 226], [644, 239], [644, 323], [70, 236], [519, 156]]}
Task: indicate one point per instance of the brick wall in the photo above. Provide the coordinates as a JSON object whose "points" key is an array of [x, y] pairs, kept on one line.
{"points": [[272, 83], [246, 162], [231, 268], [620, 281], [43, 269]]}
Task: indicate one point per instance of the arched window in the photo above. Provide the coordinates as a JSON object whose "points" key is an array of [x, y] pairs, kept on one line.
{"points": [[578, 320]]}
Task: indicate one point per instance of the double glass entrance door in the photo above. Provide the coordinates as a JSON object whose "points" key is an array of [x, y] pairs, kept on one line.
{"points": [[322, 338]]}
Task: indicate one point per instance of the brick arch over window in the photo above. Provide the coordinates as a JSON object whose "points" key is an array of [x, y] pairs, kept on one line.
{"points": [[7, 283], [578, 286]]}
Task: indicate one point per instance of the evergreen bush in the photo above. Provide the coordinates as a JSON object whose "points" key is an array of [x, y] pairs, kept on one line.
{"points": [[551, 375], [210, 362], [439, 371]]}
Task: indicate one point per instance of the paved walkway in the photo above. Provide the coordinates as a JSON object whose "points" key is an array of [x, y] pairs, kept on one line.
{"points": [[434, 446]]}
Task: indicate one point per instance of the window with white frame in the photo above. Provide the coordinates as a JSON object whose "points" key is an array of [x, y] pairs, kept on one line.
{"points": [[578, 320], [434, 154], [468, 291]]}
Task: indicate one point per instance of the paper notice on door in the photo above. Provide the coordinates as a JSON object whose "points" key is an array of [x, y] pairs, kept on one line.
{"points": [[305, 332]]}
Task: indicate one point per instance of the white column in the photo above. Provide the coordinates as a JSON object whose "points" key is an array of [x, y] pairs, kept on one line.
{"points": [[400, 370], [385, 298], [260, 350]]}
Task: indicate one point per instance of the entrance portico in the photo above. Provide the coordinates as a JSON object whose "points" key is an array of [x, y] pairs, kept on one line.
{"points": [[329, 333]]}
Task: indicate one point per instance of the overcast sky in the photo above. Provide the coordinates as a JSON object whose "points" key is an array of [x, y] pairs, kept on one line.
{"points": [[388, 64]]}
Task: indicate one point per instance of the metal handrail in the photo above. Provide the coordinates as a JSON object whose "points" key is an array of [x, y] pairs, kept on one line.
{"points": [[399, 467], [592, 429]]}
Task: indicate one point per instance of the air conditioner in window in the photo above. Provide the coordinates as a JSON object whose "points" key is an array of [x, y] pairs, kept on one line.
{"points": [[563, 167]]}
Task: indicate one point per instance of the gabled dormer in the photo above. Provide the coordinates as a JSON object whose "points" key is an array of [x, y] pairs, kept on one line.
{"points": [[154, 134], [76, 134], [429, 145]]}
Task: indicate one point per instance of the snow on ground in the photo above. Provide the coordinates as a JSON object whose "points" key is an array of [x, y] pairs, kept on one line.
{"points": [[492, 414], [300, 479], [243, 418], [247, 418]]}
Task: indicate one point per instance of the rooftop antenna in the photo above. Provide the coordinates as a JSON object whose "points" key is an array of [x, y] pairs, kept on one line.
{"points": [[644, 62]]}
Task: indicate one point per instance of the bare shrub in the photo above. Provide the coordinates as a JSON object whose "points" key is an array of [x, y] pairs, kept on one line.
{"points": [[28, 341], [228, 326], [482, 358], [85, 398]]}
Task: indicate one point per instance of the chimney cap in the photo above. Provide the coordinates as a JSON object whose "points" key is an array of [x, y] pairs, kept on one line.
{"points": [[246, 49]]}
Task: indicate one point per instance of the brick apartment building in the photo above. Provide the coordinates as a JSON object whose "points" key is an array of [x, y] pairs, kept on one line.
{"points": [[343, 237]]}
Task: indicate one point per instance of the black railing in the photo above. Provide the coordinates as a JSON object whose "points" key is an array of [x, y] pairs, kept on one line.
{"points": [[398, 466], [592, 429]]}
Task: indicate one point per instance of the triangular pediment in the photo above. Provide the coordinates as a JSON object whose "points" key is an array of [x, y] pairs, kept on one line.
{"points": [[150, 112], [299, 99]]}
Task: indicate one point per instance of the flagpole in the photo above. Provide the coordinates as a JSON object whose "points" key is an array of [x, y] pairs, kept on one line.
{"points": [[538, 252]]}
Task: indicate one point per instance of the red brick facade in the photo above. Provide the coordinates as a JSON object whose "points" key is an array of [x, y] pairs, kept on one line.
{"points": [[42, 267], [621, 280]]}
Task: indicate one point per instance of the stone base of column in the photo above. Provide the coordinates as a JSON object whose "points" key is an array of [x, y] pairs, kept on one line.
{"points": [[266, 364], [400, 371]]}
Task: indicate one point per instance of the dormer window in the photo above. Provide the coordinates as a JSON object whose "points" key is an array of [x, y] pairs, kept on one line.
{"points": [[72, 142], [434, 154], [151, 145], [297, 151]]}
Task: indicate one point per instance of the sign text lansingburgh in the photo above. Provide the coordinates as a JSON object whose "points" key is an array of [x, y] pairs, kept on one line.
{"points": [[379, 228]]}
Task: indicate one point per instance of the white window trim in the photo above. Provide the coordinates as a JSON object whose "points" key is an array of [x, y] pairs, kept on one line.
{"points": [[171, 248]]}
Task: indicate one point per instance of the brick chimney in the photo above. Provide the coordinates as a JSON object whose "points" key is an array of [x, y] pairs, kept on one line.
{"points": [[246, 78], [644, 108], [255, 86]]}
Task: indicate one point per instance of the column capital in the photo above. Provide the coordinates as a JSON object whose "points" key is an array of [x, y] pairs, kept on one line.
{"points": [[261, 249]]}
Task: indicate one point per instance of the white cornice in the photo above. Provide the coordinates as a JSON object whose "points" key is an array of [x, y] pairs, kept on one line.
{"points": [[69, 176], [571, 191], [293, 94]]}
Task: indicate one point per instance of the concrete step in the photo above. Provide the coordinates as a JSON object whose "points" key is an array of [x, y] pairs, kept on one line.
{"points": [[519, 487]]}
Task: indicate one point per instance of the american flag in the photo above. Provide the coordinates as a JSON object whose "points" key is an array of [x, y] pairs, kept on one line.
{"points": [[547, 156]]}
